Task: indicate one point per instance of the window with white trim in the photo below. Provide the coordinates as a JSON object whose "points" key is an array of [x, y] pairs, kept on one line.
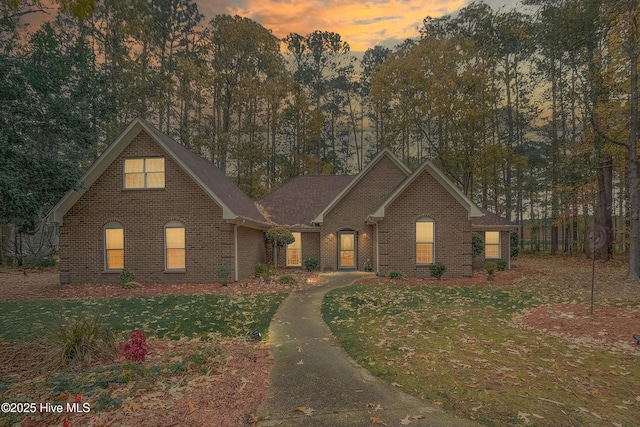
{"points": [[492, 244], [113, 246], [424, 241], [145, 172], [294, 251], [174, 246]]}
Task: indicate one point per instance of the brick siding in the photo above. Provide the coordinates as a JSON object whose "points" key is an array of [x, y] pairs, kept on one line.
{"points": [[351, 213], [425, 197], [143, 213]]}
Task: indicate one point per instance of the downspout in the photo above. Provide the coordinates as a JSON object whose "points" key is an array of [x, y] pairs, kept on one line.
{"points": [[377, 250], [235, 257]]}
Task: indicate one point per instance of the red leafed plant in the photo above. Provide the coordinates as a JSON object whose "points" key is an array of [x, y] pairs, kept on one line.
{"points": [[136, 348]]}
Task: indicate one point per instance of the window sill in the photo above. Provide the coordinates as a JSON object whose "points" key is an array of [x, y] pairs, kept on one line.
{"points": [[112, 272], [175, 271], [425, 264], [143, 189]]}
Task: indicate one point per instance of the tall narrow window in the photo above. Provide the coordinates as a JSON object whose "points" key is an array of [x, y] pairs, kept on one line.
{"points": [[113, 246], [492, 244], [424, 241], [144, 173], [294, 251], [174, 242]]}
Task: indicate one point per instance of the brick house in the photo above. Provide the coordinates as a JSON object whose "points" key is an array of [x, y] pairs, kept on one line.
{"points": [[149, 204]]}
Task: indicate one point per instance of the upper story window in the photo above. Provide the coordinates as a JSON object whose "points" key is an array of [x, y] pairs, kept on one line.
{"points": [[424, 241], [294, 251], [492, 244], [144, 173]]}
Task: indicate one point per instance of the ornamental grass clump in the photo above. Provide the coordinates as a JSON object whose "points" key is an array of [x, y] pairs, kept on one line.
{"points": [[82, 340], [136, 348]]}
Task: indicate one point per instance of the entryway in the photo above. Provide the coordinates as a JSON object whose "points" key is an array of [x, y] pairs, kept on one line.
{"points": [[347, 253]]}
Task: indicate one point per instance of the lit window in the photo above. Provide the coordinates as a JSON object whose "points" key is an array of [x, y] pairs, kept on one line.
{"points": [[174, 239], [294, 251], [492, 244], [144, 173], [424, 241], [113, 246]]}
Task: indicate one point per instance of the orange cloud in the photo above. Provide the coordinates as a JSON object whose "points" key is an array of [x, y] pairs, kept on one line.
{"points": [[363, 24]]}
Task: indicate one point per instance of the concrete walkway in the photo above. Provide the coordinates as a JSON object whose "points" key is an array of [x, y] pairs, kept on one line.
{"points": [[311, 371]]}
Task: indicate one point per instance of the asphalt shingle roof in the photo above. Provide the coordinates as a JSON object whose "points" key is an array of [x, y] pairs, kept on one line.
{"points": [[491, 220], [213, 177], [300, 200]]}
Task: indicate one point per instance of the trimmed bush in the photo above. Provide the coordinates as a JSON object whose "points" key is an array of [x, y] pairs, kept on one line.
{"points": [[514, 239], [396, 274], [367, 266], [311, 264], [263, 271], [437, 270], [287, 279], [477, 244], [491, 271], [223, 274], [501, 264], [127, 277]]}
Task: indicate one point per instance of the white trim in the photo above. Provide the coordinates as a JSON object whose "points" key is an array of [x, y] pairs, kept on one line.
{"points": [[433, 242], [113, 225], [493, 244]]}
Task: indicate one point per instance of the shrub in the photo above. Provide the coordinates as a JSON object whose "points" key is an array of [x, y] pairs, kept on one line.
{"points": [[491, 271], [263, 271], [223, 274], [278, 237], [287, 279], [311, 264], [437, 270], [477, 244], [39, 263], [82, 339], [136, 348], [127, 276], [501, 264], [514, 240], [367, 266], [396, 274]]}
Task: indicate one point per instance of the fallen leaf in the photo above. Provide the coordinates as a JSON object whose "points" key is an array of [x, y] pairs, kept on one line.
{"points": [[192, 407], [614, 372], [378, 421], [405, 421], [476, 408], [299, 349], [301, 362], [396, 385], [524, 417], [305, 410], [61, 396]]}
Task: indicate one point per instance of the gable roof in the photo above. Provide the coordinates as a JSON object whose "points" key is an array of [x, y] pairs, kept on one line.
{"points": [[384, 153], [491, 221], [236, 205], [429, 167], [297, 202]]}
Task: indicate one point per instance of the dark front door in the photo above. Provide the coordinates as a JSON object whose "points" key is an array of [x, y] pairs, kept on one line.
{"points": [[347, 250]]}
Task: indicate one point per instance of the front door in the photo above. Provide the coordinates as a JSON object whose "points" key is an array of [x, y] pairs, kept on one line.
{"points": [[347, 250]]}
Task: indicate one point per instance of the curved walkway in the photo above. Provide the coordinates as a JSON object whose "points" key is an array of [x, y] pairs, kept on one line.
{"points": [[311, 372]]}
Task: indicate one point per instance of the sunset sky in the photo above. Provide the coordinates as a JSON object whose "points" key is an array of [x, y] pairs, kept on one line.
{"points": [[362, 23]]}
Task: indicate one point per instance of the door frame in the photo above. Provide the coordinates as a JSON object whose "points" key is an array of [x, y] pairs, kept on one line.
{"points": [[355, 249]]}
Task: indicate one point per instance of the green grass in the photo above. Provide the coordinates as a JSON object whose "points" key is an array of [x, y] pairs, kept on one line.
{"points": [[454, 346], [171, 316]]}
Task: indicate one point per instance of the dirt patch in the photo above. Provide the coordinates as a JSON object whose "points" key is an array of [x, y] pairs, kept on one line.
{"points": [[607, 325], [225, 398], [17, 285]]}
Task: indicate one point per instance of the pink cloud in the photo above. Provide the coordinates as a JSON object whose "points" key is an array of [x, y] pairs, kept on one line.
{"points": [[363, 24]]}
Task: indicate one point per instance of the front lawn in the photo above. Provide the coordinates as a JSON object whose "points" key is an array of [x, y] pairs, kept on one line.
{"points": [[458, 347], [170, 316], [202, 367]]}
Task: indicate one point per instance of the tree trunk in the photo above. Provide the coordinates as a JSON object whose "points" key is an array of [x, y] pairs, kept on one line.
{"points": [[634, 184]]}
